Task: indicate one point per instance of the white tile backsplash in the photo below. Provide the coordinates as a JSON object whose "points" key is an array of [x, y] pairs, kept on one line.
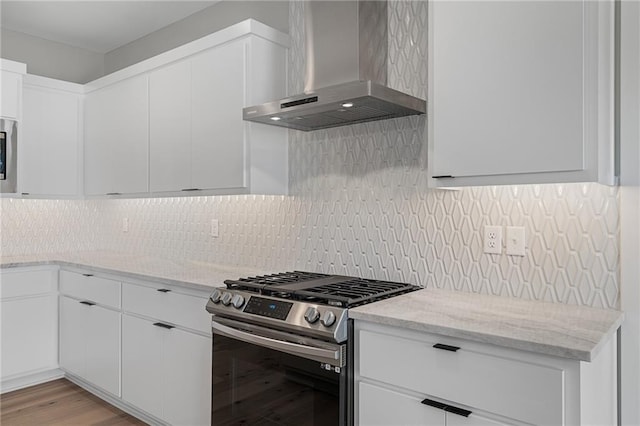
{"points": [[360, 205]]}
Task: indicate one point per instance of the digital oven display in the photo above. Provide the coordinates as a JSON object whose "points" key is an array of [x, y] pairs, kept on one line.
{"points": [[268, 308]]}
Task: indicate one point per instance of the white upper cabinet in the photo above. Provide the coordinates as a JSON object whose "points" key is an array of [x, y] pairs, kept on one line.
{"points": [[116, 135], [11, 88], [219, 89], [521, 92], [170, 127], [50, 141], [198, 140]]}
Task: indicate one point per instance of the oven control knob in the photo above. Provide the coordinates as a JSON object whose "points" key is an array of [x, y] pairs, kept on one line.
{"points": [[237, 301], [215, 296], [311, 315], [226, 298], [328, 319]]}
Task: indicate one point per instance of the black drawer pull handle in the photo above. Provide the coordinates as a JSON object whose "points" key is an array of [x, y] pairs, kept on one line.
{"points": [[87, 275], [163, 290], [446, 407], [85, 302], [442, 177], [163, 325], [446, 347], [113, 193], [432, 403], [190, 189], [457, 410]]}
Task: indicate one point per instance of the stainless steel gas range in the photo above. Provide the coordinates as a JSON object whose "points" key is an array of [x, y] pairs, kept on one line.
{"points": [[283, 347]]}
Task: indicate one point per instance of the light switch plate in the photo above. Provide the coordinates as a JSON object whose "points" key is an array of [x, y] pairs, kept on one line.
{"points": [[493, 239], [516, 241]]}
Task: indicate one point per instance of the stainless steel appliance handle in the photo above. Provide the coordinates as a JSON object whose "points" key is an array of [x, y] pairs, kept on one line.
{"points": [[331, 356]]}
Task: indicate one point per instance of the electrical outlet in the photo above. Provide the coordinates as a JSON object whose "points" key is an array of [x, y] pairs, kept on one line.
{"points": [[214, 228], [125, 224], [515, 241], [493, 239]]}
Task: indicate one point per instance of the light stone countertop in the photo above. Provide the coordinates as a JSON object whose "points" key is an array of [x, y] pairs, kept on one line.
{"points": [[567, 331], [186, 273]]}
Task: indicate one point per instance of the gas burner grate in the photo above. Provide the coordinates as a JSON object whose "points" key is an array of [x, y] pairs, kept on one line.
{"points": [[357, 291], [283, 278], [334, 290]]}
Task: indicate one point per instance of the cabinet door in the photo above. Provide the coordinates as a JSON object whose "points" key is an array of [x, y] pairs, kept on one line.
{"points": [[102, 348], [72, 334], [187, 365], [49, 142], [142, 368], [10, 85], [524, 103], [170, 127], [117, 138], [378, 406], [218, 132], [29, 335]]}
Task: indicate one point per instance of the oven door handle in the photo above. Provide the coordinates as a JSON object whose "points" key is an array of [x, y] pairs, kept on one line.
{"points": [[333, 357]]}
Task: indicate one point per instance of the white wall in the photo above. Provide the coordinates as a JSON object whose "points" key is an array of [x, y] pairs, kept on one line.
{"points": [[630, 210], [207, 21], [51, 59]]}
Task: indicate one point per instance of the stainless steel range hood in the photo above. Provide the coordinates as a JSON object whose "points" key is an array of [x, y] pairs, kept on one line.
{"points": [[346, 71]]}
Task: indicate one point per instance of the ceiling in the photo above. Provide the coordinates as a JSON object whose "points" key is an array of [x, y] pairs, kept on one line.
{"points": [[99, 26]]}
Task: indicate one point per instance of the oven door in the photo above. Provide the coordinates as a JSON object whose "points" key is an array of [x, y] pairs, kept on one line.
{"points": [[264, 376]]}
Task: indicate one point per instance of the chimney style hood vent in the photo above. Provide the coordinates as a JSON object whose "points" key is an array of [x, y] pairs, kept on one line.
{"points": [[346, 76]]}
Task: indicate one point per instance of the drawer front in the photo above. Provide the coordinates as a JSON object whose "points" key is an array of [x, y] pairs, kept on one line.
{"points": [[521, 390], [378, 406], [26, 283], [90, 287], [176, 308]]}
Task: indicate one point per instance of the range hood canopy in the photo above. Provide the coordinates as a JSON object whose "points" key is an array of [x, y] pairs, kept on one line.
{"points": [[346, 73]]}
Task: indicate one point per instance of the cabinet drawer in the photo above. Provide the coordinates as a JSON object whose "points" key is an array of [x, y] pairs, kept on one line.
{"points": [[176, 308], [506, 386], [26, 283], [87, 286]]}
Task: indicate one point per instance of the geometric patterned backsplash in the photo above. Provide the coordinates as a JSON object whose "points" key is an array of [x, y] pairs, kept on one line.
{"points": [[360, 206]]}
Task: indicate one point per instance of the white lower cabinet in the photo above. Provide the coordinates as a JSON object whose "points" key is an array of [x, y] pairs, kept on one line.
{"points": [[404, 377], [29, 323], [380, 406], [90, 343], [166, 353]]}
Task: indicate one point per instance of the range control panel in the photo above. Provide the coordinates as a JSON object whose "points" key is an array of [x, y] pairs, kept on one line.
{"points": [[268, 308]]}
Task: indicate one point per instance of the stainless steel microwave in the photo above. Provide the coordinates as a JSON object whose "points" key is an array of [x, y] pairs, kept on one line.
{"points": [[8, 156]]}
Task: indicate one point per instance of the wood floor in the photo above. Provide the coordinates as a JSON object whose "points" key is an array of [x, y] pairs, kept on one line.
{"points": [[59, 402]]}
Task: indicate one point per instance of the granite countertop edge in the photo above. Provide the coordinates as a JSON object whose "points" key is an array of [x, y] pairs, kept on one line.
{"points": [[511, 338], [201, 284]]}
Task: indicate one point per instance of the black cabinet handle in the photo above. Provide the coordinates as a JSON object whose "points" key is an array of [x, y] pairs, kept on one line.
{"points": [[163, 325], [190, 189], [442, 177], [446, 347], [86, 302], [87, 275], [445, 407], [113, 193], [163, 290]]}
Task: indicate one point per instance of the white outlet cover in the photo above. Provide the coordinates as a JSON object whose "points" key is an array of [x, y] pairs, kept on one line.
{"points": [[492, 241], [515, 241], [214, 228]]}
